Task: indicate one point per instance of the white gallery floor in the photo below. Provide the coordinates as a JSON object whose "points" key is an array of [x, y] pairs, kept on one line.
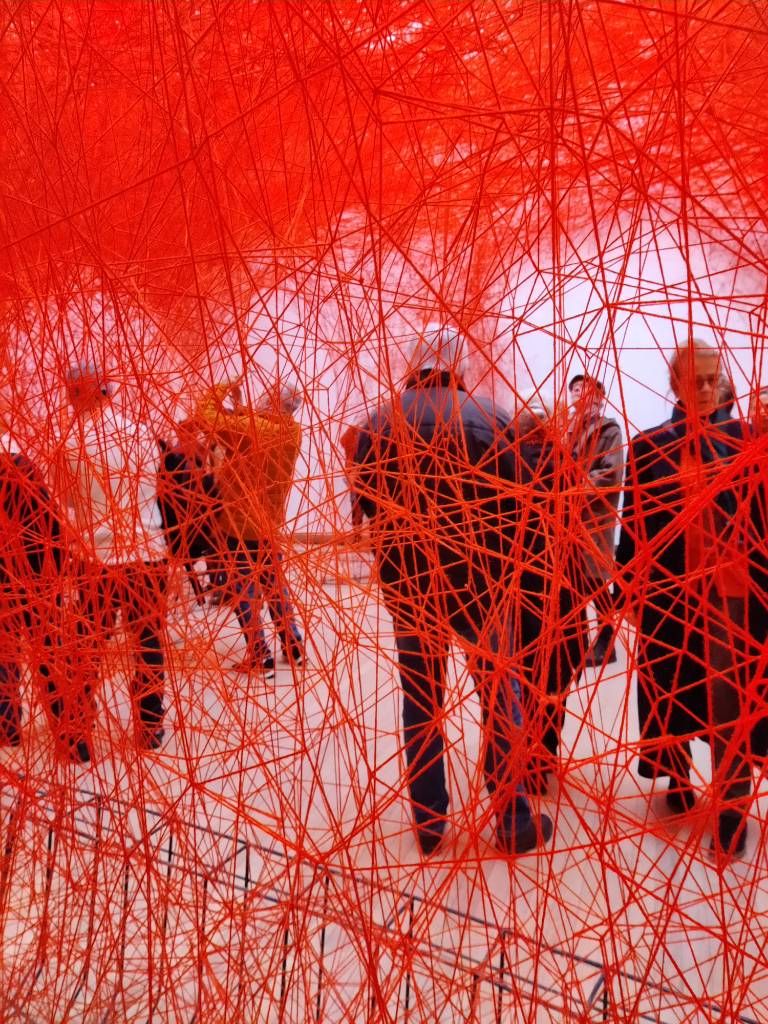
{"points": [[261, 865]]}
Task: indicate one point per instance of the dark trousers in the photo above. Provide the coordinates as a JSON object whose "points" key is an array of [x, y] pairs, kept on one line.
{"points": [[691, 683], [34, 616], [554, 642], [423, 650], [758, 663], [604, 598], [255, 573], [137, 590]]}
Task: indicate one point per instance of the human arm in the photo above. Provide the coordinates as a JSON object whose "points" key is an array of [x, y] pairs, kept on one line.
{"points": [[606, 466], [361, 473]]}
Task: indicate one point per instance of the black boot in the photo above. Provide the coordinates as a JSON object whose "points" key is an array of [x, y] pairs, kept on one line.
{"points": [[603, 651], [681, 796], [730, 839]]}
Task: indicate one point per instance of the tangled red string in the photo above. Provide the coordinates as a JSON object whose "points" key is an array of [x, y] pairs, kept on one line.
{"points": [[312, 619]]}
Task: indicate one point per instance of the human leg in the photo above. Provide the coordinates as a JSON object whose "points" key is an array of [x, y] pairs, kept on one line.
{"points": [[94, 609], [602, 651], [10, 674], [422, 663], [142, 593], [241, 576], [566, 642], [671, 699], [729, 726], [757, 611], [273, 583], [517, 829]]}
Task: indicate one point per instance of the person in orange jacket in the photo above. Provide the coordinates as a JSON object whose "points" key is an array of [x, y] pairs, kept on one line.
{"points": [[255, 452]]}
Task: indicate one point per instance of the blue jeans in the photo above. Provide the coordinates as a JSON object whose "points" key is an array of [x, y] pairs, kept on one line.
{"points": [[253, 574], [423, 654]]}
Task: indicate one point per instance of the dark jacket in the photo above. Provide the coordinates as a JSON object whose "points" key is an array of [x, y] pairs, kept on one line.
{"points": [[31, 544], [188, 501], [652, 542], [437, 477], [598, 454], [677, 626]]}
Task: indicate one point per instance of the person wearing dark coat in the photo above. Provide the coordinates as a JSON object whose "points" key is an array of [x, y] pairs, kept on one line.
{"points": [[757, 527], [189, 502], [685, 576], [596, 446], [31, 558], [552, 612], [435, 475]]}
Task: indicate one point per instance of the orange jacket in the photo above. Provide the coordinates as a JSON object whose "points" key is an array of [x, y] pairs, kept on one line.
{"points": [[254, 457]]}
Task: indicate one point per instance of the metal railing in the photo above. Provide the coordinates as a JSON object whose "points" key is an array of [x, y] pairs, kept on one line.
{"points": [[267, 878]]}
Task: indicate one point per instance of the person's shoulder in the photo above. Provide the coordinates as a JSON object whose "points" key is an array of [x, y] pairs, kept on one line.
{"points": [[653, 437], [609, 423], [492, 410], [380, 413], [733, 428], [481, 412]]}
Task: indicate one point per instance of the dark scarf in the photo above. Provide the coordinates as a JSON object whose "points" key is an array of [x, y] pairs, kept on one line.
{"points": [[713, 447]]}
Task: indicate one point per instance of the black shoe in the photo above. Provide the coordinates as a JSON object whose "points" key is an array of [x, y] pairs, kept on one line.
{"points": [[537, 831], [263, 663], [430, 835], [75, 751], [730, 840], [150, 737], [293, 652], [601, 654], [680, 798]]}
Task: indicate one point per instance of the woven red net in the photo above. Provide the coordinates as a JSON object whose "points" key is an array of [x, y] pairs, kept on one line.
{"points": [[210, 209]]}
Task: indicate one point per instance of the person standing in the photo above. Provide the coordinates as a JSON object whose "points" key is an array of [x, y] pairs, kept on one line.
{"points": [[685, 576], [594, 440], [757, 604], [552, 611], [189, 508], [255, 458], [109, 486], [435, 475], [31, 561]]}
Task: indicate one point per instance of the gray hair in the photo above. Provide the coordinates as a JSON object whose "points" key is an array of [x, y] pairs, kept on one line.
{"points": [[439, 348]]}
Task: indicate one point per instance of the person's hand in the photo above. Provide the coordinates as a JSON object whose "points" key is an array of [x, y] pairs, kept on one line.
{"points": [[234, 395]]}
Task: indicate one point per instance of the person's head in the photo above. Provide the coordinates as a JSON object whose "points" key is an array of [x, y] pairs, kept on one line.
{"points": [[587, 394], [87, 388], [440, 349], [758, 410], [282, 396], [695, 377], [531, 420], [726, 392]]}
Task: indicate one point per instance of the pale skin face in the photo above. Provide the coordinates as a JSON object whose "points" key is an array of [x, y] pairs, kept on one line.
{"points": [[86, 395], [531, 424], [697, 384], [758, 411], [586, 398]]}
